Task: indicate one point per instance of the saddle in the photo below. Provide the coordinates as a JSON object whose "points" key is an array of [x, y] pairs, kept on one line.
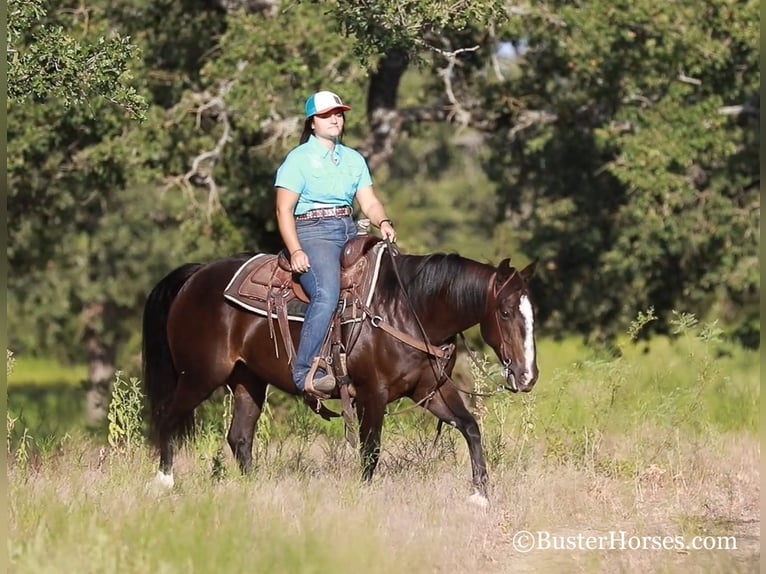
{"points": [[266, 285]]}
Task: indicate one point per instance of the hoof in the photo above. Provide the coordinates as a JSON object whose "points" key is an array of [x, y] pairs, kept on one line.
{"points": [[478, 499], [164, 480]]}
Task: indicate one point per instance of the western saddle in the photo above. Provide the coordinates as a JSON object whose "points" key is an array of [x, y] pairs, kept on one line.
{"points": [[266, 285]]}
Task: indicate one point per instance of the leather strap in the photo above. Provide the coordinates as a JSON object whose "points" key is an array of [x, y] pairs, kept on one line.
{"points": [[443, 352], [276, 301], [284, 326]]}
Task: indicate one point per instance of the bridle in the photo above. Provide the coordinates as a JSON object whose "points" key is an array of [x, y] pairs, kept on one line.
{"points": [[508, 366]]}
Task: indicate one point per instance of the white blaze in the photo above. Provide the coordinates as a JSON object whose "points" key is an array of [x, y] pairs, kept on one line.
{"points": [[529, 337]]}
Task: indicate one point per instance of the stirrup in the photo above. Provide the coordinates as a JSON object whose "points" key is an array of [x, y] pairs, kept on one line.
{"points": [[319, 393], [325, 391], [312, 393]]}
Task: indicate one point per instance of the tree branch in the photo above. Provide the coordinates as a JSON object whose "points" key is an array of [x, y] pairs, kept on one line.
{"points": [[458, 112], [201, 172], [740, 110]]}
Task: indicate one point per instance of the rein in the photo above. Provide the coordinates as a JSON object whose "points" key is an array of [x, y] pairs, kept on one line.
{"points": [[442, 354]]}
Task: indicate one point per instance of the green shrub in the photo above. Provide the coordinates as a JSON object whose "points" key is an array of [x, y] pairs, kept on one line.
{"points": [[124, 415]]}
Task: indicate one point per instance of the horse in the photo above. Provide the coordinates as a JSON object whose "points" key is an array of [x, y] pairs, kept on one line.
{"points": [[195, 341]]}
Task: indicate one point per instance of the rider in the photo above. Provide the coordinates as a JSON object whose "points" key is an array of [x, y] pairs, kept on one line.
{"points": [[316, 185]]}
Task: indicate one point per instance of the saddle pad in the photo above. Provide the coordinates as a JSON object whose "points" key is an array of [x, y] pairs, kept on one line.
{"points": [[234, 291]]}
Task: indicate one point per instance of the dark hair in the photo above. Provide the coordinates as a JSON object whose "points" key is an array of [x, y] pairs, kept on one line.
{"points": [[307, 131]]}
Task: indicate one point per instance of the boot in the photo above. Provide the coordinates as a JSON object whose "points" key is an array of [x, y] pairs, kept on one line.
{"points": [[325, 384]]}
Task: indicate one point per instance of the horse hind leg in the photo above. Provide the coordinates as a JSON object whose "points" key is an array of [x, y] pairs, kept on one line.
{"points": [[447, 406], [177, 423], [166, 434]]}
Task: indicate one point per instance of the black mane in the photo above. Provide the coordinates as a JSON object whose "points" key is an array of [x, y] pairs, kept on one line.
{"points": [[426, 277]]}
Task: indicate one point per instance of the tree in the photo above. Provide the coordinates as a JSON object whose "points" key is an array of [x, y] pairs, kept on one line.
{"points": [[616, 142], [70, 102], [642, 187]]}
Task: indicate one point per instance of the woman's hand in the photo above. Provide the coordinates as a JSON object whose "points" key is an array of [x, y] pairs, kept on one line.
{"points": [[299, 261], [387, 230], [373, 209]]}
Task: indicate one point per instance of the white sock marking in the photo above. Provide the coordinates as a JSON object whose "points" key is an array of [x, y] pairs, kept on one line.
{"points": [[479, 500], [165, 480]]}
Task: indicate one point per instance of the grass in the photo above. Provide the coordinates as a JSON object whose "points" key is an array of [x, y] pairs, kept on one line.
{"points": [[660, 440], [91, 509], [43, 372]]}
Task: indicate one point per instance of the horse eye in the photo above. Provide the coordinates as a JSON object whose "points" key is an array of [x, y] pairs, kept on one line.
{"points": [[504, 314]]}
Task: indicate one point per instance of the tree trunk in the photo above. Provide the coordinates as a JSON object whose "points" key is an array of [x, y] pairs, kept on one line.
{"points": [[101, 369], [382, 115]]}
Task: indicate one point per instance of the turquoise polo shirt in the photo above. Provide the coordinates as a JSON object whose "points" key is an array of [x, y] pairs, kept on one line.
{"points": [[323, 178]]}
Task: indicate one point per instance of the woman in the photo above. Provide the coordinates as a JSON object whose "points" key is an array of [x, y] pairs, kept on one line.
{"points": [[316, 185]]}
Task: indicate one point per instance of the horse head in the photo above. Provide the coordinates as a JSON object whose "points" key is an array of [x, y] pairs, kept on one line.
{"points": [[508, 325]]}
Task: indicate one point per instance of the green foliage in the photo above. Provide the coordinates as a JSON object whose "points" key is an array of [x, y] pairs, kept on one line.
{"points": [[64, 172], [23, 448], [686, 382], [409, 26], [442, 199], [650, 392], [645, 189], [45, 62], [265, 429], [9, 362], [641, 320], [125, 431], [47, 410], [19, 453]]}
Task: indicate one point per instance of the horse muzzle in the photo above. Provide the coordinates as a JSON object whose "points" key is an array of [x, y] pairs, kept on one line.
{"points": [[517, 378]]}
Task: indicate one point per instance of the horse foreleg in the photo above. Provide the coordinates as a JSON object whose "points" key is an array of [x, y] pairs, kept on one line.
{"points": [[447, 406], [369, 410], [248, 404]]}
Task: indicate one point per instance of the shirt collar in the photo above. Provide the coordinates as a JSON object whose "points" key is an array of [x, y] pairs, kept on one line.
{"points": [[323, 150]]}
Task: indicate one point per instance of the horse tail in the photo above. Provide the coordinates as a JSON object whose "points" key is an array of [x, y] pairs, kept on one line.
{"points": [[159, 375]]}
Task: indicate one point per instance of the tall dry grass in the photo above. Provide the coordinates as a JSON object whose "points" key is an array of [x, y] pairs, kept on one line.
{"points": [[95, 510], [658, 442]]}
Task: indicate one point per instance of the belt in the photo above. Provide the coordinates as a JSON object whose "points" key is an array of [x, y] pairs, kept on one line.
{"points": [[325, 212]]}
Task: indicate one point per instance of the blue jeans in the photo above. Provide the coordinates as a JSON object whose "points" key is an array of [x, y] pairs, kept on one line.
{"points": [[322, 240]]}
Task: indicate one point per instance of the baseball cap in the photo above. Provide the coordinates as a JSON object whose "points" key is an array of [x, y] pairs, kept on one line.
{"points": [[322, 102]]}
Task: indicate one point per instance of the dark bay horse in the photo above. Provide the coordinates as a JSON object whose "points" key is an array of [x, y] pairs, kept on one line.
{"points": [[195, 341]]}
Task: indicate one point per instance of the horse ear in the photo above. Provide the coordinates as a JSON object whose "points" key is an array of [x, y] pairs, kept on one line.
{"points": [[527, 272], [504, 271]]}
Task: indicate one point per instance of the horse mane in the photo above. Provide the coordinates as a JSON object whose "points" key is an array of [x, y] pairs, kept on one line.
{"points": [[427, 277]]}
